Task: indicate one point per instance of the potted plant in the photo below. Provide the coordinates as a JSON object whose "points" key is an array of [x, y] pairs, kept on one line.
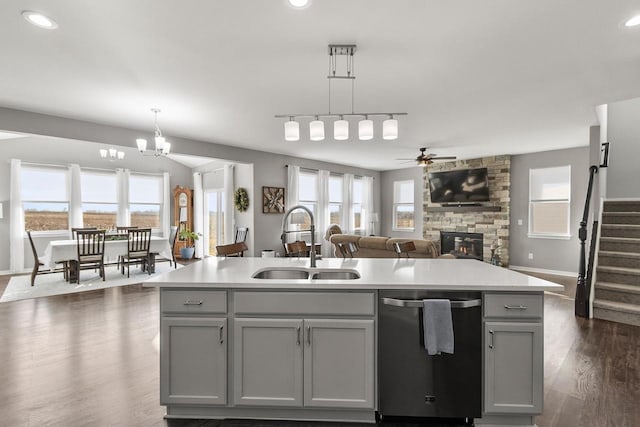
{"points": [[188, 250]]}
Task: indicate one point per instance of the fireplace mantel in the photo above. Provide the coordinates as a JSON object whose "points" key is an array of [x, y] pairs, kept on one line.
{"points": [[463, 208]]}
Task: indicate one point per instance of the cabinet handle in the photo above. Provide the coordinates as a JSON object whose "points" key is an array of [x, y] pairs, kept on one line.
{"points": [[491, 345], [192, 302], [298, 335], [308, 335], [515, 307], [221, 334]]}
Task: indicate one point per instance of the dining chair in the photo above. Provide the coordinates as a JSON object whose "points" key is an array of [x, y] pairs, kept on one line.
{"points": [[37, 263], [347, 249], [74, 230], [125, 228], [232, 249], [90, 246], [404, 248], [138, 244], [241, 234], [297, 248], [173, 237]]}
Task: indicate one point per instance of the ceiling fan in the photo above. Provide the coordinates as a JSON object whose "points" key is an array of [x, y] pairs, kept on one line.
{"points": [[425, 159]]}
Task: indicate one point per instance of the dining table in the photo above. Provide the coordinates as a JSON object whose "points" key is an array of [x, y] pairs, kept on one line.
{"points": [[63, 251]]}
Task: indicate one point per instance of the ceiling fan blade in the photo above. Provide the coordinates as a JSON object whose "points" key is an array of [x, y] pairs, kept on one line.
{"points": [[404, 159], [444, 158]]}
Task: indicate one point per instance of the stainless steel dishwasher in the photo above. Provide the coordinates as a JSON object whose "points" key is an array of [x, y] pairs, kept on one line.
{"points": [[414, 384]]}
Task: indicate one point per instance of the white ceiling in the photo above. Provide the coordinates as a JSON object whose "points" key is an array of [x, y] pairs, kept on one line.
{"points": [[476, 77]]}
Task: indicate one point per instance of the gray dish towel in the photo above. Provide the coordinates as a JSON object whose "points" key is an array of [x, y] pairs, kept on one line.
{"points": [[438, 326]]}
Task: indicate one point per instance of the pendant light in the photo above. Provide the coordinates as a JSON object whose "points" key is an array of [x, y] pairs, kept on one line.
{"points": [[316, 130], [390, 128], [365, 129], [162, 147], [291, 130], [341, 129]]}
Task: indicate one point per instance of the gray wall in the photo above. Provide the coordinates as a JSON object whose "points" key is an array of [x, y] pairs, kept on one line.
{"points": [[387, 178], [57, 151], [269, 168], [549, 254], [623, 133]]}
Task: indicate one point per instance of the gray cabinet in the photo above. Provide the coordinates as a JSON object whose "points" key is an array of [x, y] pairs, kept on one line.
{"points": [[513, 367], [193, 361], [267, 362], [310, 362], [339, 363]]}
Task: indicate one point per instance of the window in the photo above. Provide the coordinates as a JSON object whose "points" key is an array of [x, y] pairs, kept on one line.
{"points": [[308, 197], [403, 207], [145, 200], [549, 202], [45, 201], [215, 218], [356, 206], [335, 199], [99, 199]]}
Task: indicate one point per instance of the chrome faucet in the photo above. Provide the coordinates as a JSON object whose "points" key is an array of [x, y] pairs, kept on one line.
{"points": [[312, 228]]}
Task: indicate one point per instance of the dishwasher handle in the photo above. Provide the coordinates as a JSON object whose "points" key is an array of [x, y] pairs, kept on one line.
{"points": [[467, 303]]}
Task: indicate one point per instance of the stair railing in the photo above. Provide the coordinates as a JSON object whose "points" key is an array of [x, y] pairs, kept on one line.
{"points": [[583, 288]]}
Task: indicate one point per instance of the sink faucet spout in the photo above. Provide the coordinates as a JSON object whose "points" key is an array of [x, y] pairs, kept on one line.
{"points": [[312, 229]]}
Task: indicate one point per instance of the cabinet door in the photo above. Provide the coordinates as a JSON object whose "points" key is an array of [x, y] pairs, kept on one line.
{"points": [[193, 361], [267, 362], [339, 363], [513, 367]]}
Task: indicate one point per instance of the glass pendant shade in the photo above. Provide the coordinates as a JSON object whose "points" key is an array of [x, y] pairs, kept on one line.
{"points": [[166, 148], [316, 130], [103, 153], [365, 129], [113, 153], [340, 130], [390, 129], [292, 131], [142, 144], [120, 155], [160, 143]]}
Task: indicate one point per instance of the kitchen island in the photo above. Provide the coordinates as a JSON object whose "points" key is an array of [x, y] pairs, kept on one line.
{"points": [[272, 338]]}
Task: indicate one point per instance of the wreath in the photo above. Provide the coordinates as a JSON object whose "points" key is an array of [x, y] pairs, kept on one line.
{"points": [[241, 199]]}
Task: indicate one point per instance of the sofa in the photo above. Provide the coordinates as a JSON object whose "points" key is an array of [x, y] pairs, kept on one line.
{"points": [[382, 247]]}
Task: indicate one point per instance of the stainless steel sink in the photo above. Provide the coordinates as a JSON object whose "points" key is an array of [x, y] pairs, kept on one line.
{"points": [[281, 273], [335, 275]]}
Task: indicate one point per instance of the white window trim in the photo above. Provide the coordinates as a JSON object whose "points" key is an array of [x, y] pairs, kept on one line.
{"points": [[395, 205], [556, 236], [154, 230]]}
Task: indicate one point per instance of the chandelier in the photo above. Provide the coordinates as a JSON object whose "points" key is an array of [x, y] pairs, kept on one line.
{"points": [[341, 126], [162, 147], [111, 154]]}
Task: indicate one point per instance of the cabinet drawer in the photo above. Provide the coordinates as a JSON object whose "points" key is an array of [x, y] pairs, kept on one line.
{"points": [[513, 306], [307, 303], [193, 301]]}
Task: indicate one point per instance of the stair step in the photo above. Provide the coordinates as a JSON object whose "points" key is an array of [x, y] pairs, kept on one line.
{"points": [[622, 206], [621, 230], [618, 259], [620, 244], [623, 275], [617, 292], [621, 218], [616, 311]]}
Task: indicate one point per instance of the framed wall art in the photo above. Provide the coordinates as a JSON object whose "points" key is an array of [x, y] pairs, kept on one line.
{"points": [[272, 199]]}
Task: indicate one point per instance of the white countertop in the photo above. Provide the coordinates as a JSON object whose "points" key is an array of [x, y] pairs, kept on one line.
{"points": [[375, 273]]}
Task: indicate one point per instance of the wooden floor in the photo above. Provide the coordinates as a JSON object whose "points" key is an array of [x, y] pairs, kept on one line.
{"points": [[91, 359]]}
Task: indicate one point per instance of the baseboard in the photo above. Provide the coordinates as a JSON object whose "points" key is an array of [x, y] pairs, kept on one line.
{"points": [[622, 199], [544, 271], [5, 272]]}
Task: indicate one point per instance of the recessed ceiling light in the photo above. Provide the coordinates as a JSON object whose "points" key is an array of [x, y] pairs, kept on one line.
{"points": [[39, 20], [633, 21], [299, 4]]}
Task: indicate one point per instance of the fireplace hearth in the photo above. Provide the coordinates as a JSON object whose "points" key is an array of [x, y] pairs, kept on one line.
{"points": [[462, 245]]}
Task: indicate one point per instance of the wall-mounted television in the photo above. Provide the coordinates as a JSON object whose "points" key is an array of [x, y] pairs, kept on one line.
{"points": [[459, 186]]}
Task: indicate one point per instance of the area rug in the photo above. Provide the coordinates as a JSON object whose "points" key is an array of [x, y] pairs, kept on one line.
{"points": [[19, 287]]}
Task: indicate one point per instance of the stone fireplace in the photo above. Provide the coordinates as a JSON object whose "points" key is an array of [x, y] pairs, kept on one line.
{"points": [[490, 220], [462, 245]]}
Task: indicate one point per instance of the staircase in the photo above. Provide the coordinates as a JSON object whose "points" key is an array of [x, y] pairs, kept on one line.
{"points": [[617, 289]]}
